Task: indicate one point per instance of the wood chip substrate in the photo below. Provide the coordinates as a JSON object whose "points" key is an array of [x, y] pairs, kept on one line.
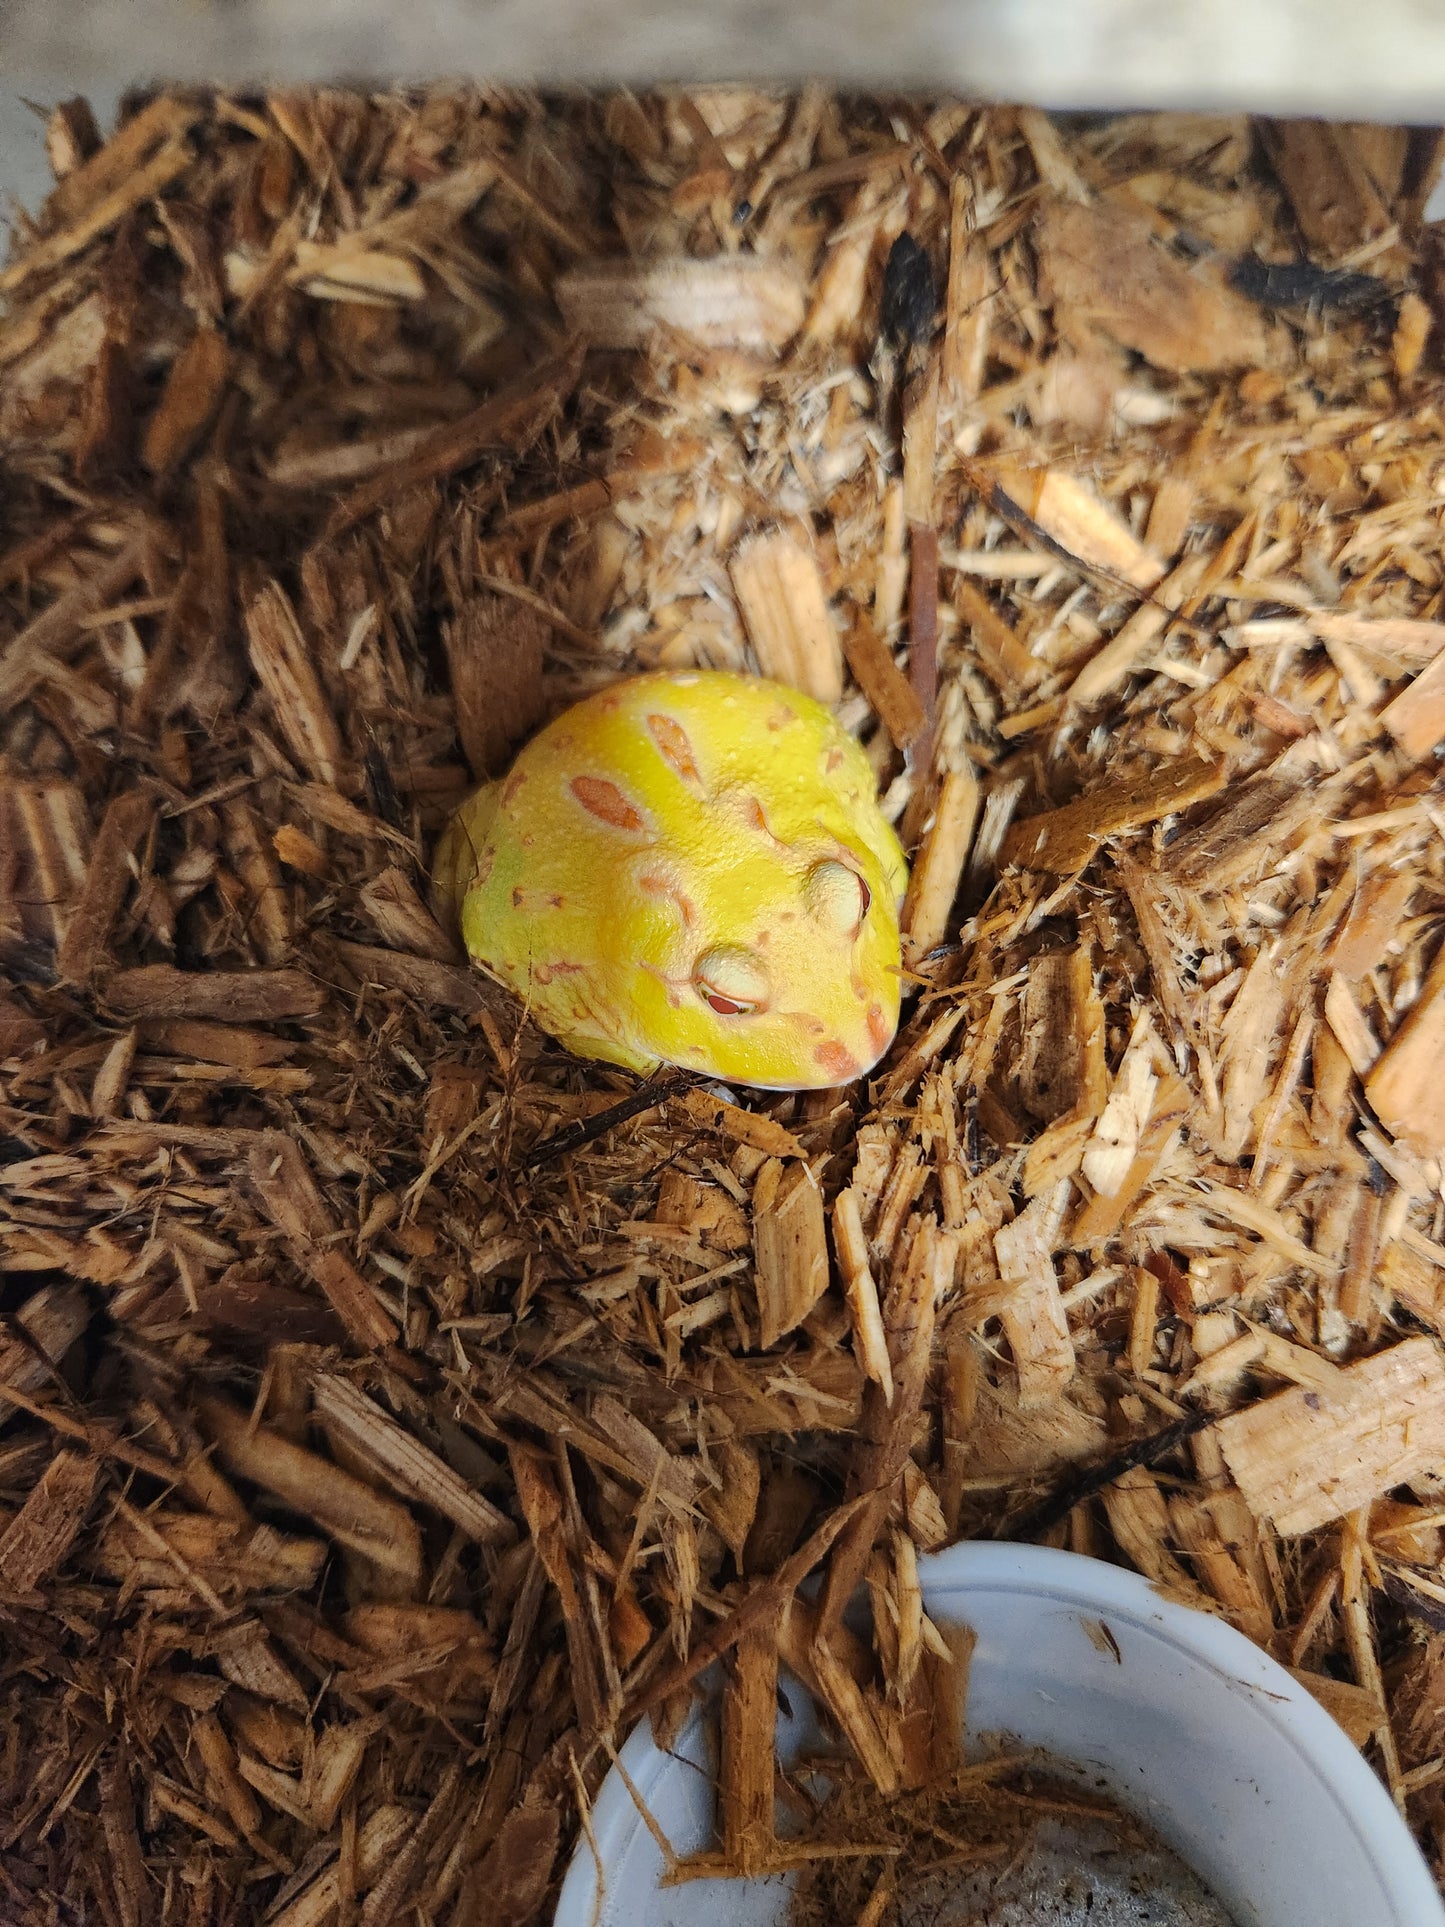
{"points": [[366, 1470]]}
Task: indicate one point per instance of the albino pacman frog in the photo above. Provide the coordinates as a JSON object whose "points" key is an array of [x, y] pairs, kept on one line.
{"points": [[690, 869]]}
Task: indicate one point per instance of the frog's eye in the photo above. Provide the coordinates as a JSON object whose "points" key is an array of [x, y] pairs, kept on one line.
{"points": [[837, 897], [730, 982]]}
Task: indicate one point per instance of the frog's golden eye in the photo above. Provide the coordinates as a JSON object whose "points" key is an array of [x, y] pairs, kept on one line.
{"points": [[837, 897], [730, 982]]}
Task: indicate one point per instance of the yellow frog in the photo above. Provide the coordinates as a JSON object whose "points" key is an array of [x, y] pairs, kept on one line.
{"points": [[690, 869]]}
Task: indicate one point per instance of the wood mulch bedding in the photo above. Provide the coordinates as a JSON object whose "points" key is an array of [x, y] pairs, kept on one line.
{"points": [[362, 1472]]}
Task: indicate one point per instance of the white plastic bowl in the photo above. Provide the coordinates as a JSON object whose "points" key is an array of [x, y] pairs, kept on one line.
{"points": [[1193, 1728]]}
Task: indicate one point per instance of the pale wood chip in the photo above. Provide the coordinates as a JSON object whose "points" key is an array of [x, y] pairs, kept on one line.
{"points": [[247, 1656], [378, 1840], [790, 1244], [1313, 1454], [910, 1313], [234, 996], [746, 1764], [1416, 717], [223, 1780], [1114, 1144], [402, 1459], [938, 869], [147, 180], [394, 904], [284, 664], [1001, 655], [443, 986], [542, 1506], [752, 1128], [1325, 170], [1031, 1305], [50, 1321], [1124, 652], [1138, 1516], [347, 271], [108, 877], [40, 1535], [674, 1479], [1405, 1087], [1350, 1026], [784, 605], [1249, 1036], [733, 301], [282, 1180], [383, 1532], [1073, 517], [870, 1341], [57, 632]]}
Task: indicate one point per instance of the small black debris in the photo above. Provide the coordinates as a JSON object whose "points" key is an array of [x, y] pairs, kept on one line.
{"points": [[910, 298], [1300, 284]]}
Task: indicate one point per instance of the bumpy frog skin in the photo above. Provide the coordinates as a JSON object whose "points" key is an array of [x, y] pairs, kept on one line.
{"points": [[690, 869]]}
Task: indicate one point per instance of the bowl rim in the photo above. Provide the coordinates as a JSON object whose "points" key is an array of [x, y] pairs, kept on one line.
{"points": [[1081, 1583]]}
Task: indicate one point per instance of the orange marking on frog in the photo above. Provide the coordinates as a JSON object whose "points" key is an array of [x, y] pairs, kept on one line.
{"points": [[753, 811], [833, 760], [780, 718], [657, 886], [837, 1060], [672, 741], [606, 802], [879, 1035]]}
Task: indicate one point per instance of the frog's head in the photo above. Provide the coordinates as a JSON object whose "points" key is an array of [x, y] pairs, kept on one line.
{"points": [[778, 968]]}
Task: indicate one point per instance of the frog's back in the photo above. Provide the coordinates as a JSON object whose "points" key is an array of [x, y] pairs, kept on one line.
{"points": [[717, 734]]}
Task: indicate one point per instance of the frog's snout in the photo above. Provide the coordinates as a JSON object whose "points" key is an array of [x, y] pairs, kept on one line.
{"points": [[853, 1052]]}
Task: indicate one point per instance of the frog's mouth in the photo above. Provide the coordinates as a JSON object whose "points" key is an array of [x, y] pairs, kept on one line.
{"points": [[846, 1075]]}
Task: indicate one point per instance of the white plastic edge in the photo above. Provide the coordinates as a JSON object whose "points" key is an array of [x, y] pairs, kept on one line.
{"points": [[1326, 1752]]}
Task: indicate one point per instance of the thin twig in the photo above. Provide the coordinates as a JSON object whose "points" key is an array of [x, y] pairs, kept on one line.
{"points": [[660, 1086], [1145, 1451]]}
